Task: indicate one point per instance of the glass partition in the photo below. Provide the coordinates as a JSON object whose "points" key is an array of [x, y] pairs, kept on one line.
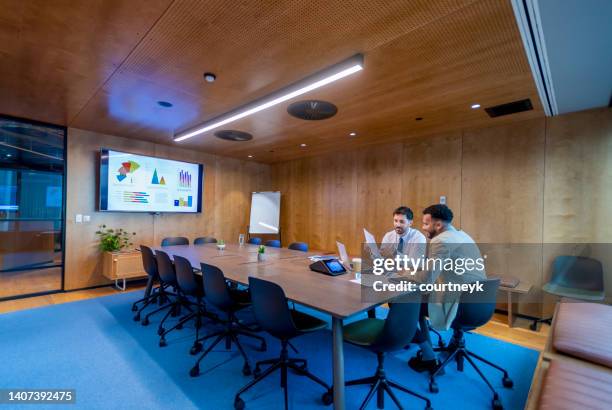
{"points": [[32, 164]]}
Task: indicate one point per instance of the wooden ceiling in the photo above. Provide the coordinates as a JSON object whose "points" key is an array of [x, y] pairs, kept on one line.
{"points": [[102, 65]]}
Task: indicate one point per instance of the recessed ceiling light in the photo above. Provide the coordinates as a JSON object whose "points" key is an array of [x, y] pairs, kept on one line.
{"points": [[250, 156], [474, 106], [164, 104], [303, 145], [210, 77], [8, 155], [352, 134], [317, 80]]}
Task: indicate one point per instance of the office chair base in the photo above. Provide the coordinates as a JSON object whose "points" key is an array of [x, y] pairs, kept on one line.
{"points": [[459, 353], [282, 363], [379, 386], [534, 325], [229, 335]]}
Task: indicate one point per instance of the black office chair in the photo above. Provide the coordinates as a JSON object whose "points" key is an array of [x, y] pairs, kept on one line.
{"points": [[576, 277], [229, 301], [167, 274], [382, 337], [152, 295], [298, 246], [275, 317], [254, 241], [204, 240], [175, 240], [189, 286], [273, 243], [475, 310]]}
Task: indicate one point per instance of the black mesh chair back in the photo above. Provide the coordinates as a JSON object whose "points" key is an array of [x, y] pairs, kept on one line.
{"points": [[204, 240], [185, 277], [298, 246], [274, 243], [477, 308], [215, 287], [400, 325], [175, 240], [255, 241], [577, 272], [148, 261], [270, 308], [165, 268]]}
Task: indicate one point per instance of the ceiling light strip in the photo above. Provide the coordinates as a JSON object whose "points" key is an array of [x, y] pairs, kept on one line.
{"points": [[317, 80]]}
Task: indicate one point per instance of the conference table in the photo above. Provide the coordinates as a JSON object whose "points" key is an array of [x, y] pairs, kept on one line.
{"points": [[333, 295]]}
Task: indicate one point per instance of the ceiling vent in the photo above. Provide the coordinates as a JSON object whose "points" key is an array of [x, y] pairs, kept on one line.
{"points": [[233, 135], [509, 108], [312, 110]]}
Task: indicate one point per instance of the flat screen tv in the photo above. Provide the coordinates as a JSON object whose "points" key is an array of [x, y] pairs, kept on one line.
{"points": [[140, 183]]}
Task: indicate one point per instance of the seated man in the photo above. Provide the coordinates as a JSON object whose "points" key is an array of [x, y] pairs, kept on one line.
{"points": [[446, 244], [402, 240]]}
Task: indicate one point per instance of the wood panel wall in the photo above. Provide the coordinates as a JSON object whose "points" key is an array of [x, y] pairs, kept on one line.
{"points": [[228, 184], [527, 183]]}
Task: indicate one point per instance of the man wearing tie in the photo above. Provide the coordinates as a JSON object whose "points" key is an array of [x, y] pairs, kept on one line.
{"points": [[403, 240]]}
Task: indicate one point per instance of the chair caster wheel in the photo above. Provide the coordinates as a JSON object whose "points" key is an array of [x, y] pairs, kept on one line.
{"points": [[327, 398], [195, 371], [441, 344], [433, 387], [162, 342], [134, 308], [160, 331], [304, 367], [179, 327], [145, 321], [137, 318], [507, 382], [497, 405], [263, 347], [239, 404], [246, 369], [195, 349]]}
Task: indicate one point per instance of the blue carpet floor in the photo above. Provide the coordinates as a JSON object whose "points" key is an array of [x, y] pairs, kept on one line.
{"points": [[93, 346]]}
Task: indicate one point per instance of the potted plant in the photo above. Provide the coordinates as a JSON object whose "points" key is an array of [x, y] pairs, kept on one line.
{"points": [[221, 244], [261, 253], [114, 240]]}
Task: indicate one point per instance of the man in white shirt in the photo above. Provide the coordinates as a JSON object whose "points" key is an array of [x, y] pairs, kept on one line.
{"points": [[403, 240]]}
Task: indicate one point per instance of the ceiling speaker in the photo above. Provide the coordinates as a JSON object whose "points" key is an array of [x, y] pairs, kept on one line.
{"points": [[233, 135], [312, 110]]}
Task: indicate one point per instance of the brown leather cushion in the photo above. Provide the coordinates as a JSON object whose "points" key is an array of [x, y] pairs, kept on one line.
{"points": [[584, 330], [570, 387]]}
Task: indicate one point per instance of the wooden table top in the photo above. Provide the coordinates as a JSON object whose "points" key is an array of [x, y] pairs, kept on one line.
{"points": [[335, 295]]}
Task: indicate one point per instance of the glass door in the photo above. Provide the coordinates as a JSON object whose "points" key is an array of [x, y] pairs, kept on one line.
{"points": [[32, 178]]}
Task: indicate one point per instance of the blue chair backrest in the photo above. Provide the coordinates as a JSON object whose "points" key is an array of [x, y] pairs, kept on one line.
{"points": [[578, 272], [204, 240], [274, 243], [477, 308], [271, 309], [184, 275], [255, 241], [165, 267], [298, 246], [175, 240], [215, 287], [148, 261]]}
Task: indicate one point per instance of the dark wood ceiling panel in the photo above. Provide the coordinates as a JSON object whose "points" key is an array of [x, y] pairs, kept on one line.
{"points": [[56, 54], [423, 58]]}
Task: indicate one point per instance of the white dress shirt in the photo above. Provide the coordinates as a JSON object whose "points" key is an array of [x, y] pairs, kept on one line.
{"points": [[414, 244]]}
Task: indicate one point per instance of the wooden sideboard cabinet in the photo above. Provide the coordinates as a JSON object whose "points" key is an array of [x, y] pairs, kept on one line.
{"points": [[123, 265]]}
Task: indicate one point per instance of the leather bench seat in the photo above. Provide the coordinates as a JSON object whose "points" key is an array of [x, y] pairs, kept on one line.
{"points": [[571, 386], [584, 330]]}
